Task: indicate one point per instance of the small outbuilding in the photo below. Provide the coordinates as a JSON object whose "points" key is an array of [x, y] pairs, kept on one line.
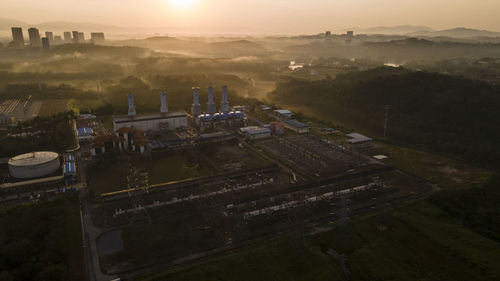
{"points": [[359, 141], [296, 126]]}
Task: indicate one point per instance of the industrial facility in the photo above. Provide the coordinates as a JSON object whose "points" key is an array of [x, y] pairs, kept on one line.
{"points": [[164, 120], [14, 110], [211, 117], [34, 164]]}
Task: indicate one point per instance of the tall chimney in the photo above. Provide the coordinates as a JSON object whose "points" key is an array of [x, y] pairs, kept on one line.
{"points": [[196, 107], [210, 104], [163, 97], [131, 107], [224, 104]]}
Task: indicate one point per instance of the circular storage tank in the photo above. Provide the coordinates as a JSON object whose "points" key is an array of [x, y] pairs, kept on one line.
{"points": [[34, 164]]}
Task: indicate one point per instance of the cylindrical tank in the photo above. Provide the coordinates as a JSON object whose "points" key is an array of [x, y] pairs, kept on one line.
{"points": [[34, 164]]}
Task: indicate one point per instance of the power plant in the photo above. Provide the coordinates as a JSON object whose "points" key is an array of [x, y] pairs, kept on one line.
{"points": [[164, 120]]}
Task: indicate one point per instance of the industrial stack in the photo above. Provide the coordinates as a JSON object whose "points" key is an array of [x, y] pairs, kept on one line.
{"points": [[131, 107], [163, 108], [224, 115], [163, 120], [196, 107], [210, 104], [224, 105]]}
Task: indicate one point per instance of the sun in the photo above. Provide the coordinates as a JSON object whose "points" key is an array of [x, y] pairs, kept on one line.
{"points": [[182, 4]]}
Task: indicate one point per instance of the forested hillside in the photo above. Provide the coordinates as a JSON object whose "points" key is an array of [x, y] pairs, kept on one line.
{"points": [[428, 110]]}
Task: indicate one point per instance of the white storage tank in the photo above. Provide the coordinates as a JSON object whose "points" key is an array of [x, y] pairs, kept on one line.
{"points": [[34, 164]]}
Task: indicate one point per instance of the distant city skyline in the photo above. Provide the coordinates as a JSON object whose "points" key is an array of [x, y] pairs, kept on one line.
{"points": [[259, 16]]}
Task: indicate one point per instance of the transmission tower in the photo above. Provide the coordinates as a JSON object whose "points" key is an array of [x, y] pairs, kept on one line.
{"points": [[386, 119]]}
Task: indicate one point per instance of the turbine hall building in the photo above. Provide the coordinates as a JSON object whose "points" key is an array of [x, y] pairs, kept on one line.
{"points": [[164, 120]]}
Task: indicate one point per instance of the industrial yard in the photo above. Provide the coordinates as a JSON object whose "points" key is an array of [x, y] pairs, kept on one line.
{"points": [[166, 187], [14, 110]]}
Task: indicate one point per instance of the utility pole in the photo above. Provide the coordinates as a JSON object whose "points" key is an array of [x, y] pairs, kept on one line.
{"points": [[386, 119]]}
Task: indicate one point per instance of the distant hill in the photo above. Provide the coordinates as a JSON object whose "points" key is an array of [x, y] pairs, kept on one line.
{"points": [[58, 26], [459, 32], [400, 29], [429, 110], [235, 48]]}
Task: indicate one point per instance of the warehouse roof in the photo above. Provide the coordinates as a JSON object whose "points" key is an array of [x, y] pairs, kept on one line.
{"points": [[356, 138], [283, 111], [33, 158], [147, 117], [296, 124]]}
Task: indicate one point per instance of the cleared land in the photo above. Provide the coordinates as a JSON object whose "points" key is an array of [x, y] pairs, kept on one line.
{"points": [[447, 172], [108, 175]]}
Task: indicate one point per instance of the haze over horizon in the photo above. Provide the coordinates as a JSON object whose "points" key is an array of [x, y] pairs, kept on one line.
{"points": [[258, 16]]}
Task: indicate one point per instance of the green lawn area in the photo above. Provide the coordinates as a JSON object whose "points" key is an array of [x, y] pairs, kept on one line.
{"points": [[447, 172], [109, 175], [416, 242], [42, 241]]}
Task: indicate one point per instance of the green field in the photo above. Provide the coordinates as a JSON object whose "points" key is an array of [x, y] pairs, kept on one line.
{"points": [[42, 241], [416, 242], [449, 173], [108, 175]]}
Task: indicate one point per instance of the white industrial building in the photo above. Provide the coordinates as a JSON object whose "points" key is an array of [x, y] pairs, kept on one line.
{"points": [[283, 113], [151, 122], [359, 141], [296, 126], [255, 132], [34, 164], [154, 122]]}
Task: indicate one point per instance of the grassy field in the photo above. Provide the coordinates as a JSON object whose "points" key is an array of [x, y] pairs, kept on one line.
{"points": [[447, 172], [42, 241], [417, 242], [110, 174]]}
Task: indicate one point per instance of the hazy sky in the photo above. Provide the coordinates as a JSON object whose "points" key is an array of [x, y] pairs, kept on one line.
{"points": [[260, 16]]}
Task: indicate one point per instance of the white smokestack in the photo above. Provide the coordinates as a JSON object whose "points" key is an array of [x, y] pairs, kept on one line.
{"points": [[196, 107], [210, 95], [224, 93], [224, 104], [196, 96], [131, 107], [163, 97], [211, 105]]}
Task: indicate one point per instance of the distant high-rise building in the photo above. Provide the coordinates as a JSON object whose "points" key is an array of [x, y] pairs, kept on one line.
{"points": [[49, 36], [46, 43], [17, 36], [81, 37], [67, 36], [76, 38], [328, 34], [34, 37], [97, 37], [349, 36], [57, 39]]}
